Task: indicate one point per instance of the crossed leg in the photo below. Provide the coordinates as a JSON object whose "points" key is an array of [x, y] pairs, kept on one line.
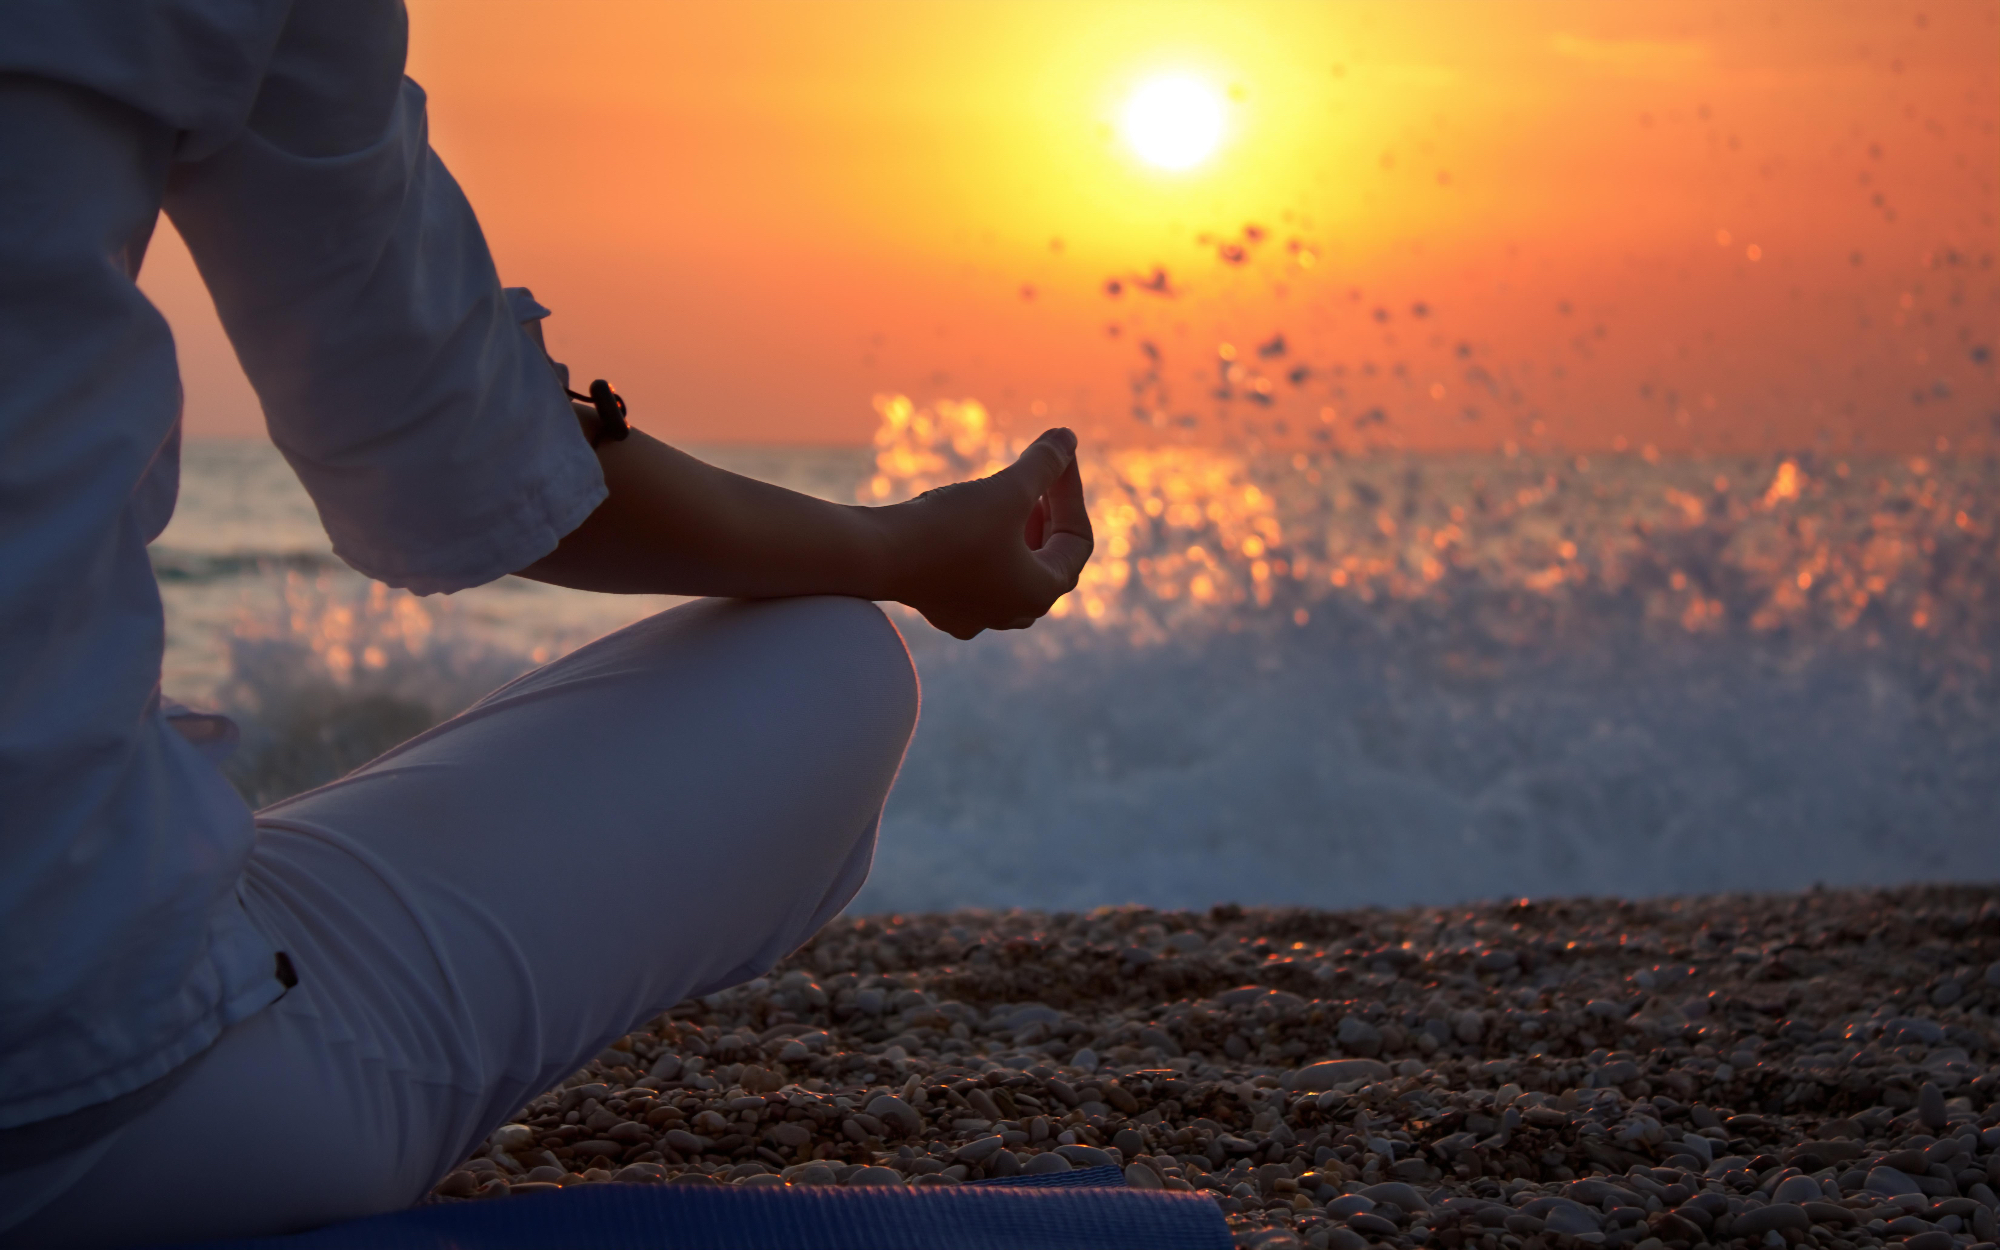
{"points": [[665, 812]]}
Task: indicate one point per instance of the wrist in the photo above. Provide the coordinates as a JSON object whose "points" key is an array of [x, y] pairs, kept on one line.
{"points": [[884, 539]]}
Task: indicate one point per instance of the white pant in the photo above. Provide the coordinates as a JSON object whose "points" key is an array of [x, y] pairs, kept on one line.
{"points": [[476, 914]]}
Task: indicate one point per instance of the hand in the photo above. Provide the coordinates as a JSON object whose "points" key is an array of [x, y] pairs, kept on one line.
{"points": [[995, 553]]}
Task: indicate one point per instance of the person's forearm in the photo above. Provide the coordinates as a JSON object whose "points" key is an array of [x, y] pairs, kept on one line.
{"points": [[674, 525]]}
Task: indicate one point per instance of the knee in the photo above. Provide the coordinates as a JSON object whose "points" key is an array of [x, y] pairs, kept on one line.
{"points": [[854, 641], [818, 661]]}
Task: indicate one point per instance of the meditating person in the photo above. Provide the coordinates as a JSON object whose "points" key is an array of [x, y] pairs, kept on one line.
{"points": [[217, 1023]]}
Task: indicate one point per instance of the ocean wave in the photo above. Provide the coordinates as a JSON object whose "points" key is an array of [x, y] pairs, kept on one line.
{"points": [[341, 672], [1307, 678]]}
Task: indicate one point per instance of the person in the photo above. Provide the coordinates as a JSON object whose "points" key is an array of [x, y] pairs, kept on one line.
{"points": [[217, 1023]]}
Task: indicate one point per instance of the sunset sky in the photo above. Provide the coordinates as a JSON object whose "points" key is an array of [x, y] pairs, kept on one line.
{"points": [[1688, 225]]}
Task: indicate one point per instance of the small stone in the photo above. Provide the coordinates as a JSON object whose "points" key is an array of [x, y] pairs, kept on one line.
{"points": [[683, 1141], [1821, 1212], [1086, 1059], [1797, 1189], [1319, 1077], [1776, 1216], [897, 1114], [873, 1176], [1402, 1194], [1358, 1035], [1930, 1106], [459, 1184], [1139, 1176], [521, 1188], [694, 1178], [1890, 1182], [1340, 1238], [1985, 1225], [1906, 1029], [1045, 1164], [510, 1137], [1085, 1156], [980, 1150], [1564, 1215], [1617, 1072]]}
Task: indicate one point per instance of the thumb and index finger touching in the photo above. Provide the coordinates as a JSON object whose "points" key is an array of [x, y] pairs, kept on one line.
{"points": [[1048, 468]]}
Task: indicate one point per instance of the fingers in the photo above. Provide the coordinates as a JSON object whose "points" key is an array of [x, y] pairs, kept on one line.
{"points": [[1042, 508], [1038, 523], [1064, 556], [1067, 540], [1043, 462], [1067, 514]]}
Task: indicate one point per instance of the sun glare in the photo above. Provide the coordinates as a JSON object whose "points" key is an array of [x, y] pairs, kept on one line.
{"points": [[1174, 123]]}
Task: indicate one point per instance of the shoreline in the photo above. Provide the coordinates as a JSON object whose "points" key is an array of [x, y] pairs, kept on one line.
{"points": [[1708, 1060]]}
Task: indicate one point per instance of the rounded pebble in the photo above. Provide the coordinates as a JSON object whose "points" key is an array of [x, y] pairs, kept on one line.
{"points": [[1044, 1164]]}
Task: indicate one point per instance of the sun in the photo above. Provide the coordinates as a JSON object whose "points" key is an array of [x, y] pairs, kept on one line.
{"points": [[1173, 122]]}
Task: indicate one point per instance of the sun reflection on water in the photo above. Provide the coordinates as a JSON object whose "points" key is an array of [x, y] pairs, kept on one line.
{"points": [[1774, 545]]}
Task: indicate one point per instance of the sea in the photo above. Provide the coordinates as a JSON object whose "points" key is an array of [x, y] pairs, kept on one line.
{"points": [[1289, 676]]}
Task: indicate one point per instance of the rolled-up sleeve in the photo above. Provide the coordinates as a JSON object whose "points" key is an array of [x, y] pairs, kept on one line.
{"points": [[393, 370]]}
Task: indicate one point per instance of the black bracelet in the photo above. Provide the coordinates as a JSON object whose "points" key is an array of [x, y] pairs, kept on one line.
{"points": [[610, 405]]}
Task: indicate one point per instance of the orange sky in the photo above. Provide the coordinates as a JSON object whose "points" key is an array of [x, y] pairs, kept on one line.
{"points": [[754, 216]]}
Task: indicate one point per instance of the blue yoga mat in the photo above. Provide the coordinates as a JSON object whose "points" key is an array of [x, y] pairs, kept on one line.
{"points": [[1066, 1211]]}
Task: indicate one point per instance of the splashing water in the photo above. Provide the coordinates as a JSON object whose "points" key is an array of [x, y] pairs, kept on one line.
{"points": [[1302, 677], [1891, 552], [343, 672], [1340, 681]]}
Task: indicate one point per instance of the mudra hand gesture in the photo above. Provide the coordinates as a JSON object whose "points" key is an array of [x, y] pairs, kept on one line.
{"points": [[997, 552], [994, 553]]}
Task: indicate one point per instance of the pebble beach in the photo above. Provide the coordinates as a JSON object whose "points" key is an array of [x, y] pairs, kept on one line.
{"points": [[1723, 1070]]}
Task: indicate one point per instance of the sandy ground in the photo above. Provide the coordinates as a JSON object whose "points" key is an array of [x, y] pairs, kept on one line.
{"points": [[1732, 1070]]}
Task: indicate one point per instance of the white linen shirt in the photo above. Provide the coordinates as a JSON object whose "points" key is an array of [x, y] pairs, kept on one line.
{"points": [[395, 377]]}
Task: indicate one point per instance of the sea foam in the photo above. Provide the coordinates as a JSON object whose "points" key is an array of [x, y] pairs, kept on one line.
{"points": [[1311, 678]]}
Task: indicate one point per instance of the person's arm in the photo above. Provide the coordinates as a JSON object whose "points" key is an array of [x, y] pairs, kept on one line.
{"points": [[989, 554]]}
